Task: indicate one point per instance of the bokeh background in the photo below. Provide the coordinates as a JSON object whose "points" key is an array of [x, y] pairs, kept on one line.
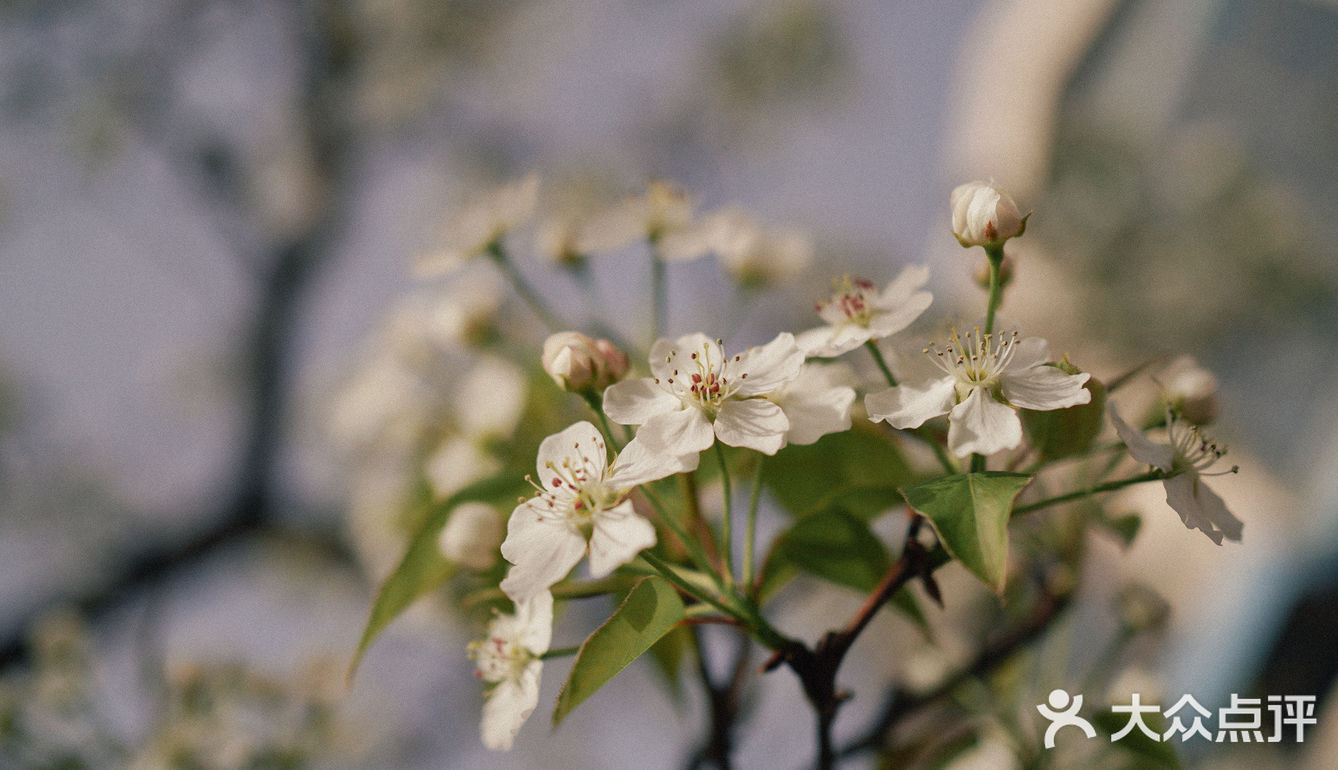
{"points": [[207, 207]]}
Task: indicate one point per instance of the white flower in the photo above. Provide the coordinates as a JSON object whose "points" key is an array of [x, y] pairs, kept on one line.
{"points": [[817, 402], [577, 363], [984, 215], [857, 312], [471, 536], [698, 395], [479, 225], [750, 253], [1191, 390], [663, 214], [1189, 455], [509, 661], [464, 313], [456, 463], [986, 378], [582, 506]]}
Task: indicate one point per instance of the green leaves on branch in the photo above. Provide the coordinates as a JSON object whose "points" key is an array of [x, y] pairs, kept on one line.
{"points": [[858, 470], [648, 613], [970, 513], [423, 568]]}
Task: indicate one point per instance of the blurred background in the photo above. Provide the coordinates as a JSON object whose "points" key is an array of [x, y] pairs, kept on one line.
{"points": [[207, 208]]}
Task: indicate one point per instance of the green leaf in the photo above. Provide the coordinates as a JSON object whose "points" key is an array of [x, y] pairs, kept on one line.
{"points": [[648, 613], [423, 568], [970, 513], [859, 469], [668, 655], [1060, 433], [1146, 752]]}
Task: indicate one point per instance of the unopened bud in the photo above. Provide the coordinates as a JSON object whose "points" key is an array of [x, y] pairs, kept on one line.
{"points": [[472, 536], [578, 363], [984, 215], [1191, 391]]}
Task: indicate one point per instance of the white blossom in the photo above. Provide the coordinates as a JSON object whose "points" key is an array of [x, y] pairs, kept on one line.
{"points": [[510, 662], [1190, 390], [697, 394], [817, 402], [857, 312], [1188, 455], [479, 225], [751, 253], [984, 215], [472, 535], [664, 214], [582, 507], [986, 378]]}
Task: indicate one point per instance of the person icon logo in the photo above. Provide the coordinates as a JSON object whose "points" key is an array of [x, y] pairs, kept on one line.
{"points": [[1062, 711]]}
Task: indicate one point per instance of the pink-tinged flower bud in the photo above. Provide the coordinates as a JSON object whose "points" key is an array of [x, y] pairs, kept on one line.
{"points": [[984, 215], [578, 363]]}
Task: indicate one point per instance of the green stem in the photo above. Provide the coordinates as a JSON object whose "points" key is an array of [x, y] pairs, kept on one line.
{"points": [[1109, 486], [726, 521], [668, 572], [560, 652], [750, 536], [977, 463], [694, 548], [659, 294], [995, 254], [882, 362], [593, 402], [498, 255]]}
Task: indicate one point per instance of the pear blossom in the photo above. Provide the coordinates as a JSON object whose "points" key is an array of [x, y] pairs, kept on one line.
{"points": [[582, 507], [1188, 455], [697, 394], [817, 402], [471, 536], [578, 363], [751, 253], [986, 378], [857, 312], [479, 225], [664, 214], [510, 661], [984, 215], [465, 312], [1190, 390]]}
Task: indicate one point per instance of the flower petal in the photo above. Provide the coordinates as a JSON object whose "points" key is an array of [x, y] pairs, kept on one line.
{"points": [[753, 423], [508, 706], [767, 367], [816, 403], [907, 283], [832, 341], [619, 535], [1028, 352], [1140, 447], [681, 432], [906, 406], [1045, 387], [887, 322], [981, 425], [637, 464], [1200, 508], [579, 445], [633, 402], [543, 550], [666, 354], [535, 619]]}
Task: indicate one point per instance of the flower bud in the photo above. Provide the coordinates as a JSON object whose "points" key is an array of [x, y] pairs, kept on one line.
{"points": [[580, 364], [984, 215], [472, 536], [1191, 391]]}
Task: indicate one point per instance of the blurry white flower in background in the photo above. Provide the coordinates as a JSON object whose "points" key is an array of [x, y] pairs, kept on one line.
{"points": [[472, 536], [476, 227]]}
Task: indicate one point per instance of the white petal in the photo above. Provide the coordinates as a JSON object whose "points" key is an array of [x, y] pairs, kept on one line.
{"points": [[633, 402], [906, 406], [667, 355], [768, 366], [542, 549], [981, 425], [752, 423], [491, 398], [1028, 352], [815, 412], [678, 433], [578, 445], [908, 282], [1200, 508], [508, 706], [1140, 447], [637, 464], [1045, 387], [619, 535], [832, 341], [887, 322], [535, 618]]}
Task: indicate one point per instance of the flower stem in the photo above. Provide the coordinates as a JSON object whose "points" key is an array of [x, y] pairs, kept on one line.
{"points": [[726, 520], [498, 255], [659, 294], [693, 547], [882, 362], [750, 536], [1109, 486], [668, 572], [995, 254], [595, 406], [560, 652]]}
